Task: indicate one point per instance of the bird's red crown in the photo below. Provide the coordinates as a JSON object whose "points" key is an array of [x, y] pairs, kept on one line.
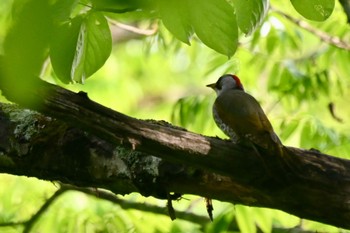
{"points": [[238, 82]]}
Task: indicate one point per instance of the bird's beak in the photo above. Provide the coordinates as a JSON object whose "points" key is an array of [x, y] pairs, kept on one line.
{"points": [[212, 85]]}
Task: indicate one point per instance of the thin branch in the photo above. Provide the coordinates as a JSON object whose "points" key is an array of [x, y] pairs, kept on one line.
{"points": [[30, 223], [134, 29], [111, 197], [331, 107], [108, 196], [329, 39], [12, 224], [124, 32]]}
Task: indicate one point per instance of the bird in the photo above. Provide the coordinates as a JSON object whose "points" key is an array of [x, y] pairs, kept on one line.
{"points": [[240, 116]]}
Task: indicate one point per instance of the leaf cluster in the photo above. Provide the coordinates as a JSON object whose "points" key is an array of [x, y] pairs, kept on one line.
{"points": [[77, 38]]}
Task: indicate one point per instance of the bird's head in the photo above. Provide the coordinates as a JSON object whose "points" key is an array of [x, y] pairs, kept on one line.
{"points": [[226, 82]]}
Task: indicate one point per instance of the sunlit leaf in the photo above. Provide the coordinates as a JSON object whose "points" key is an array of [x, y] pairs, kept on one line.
{"points": [[263, 219], [192, 113], [25, 47], [272, 41], [93, 46], [215, 24], [322, 81], [288, 128], [317, 10], [63, 9], [27, 40], [213, 21], [63, 48], [222, 222], [250, 13], [176, 18], [80, 47], [306, 135], [275, 76], [245, 219]]}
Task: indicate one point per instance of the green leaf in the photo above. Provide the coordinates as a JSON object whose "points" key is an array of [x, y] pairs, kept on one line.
{"points": [[27, 41], [25, 47], [245, 219], [288, 128], [213, 21], [176, 18], [63, 46], [263, 219], [222, 222], [274, 77], [94, 46], [317, 10], [272, 41], [307, 135], [250, 13], [80, 47], [63, 9]]}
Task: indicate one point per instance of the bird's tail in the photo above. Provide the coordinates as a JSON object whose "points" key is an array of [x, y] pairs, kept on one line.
{"points": [[280, 157]]}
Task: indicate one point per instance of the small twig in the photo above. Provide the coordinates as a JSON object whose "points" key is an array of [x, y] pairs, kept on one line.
{"points": [[109, 196], [210, 208], [171, 210], [12, 224], [30, 223], [332, 40], [146, 32], [133, 29], [331, 108]]}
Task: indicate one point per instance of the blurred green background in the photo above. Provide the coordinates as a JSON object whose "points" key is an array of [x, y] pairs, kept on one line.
{"points": [[293, 74]]}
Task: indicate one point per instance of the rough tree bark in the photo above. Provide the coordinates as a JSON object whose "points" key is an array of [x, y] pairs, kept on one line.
{"points": [[122, 154]]}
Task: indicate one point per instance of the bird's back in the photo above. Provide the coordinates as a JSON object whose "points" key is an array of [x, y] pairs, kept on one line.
{"points": [[243, 114]]}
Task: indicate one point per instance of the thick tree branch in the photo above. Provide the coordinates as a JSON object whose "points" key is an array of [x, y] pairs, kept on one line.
{"points": [[121, 162]]}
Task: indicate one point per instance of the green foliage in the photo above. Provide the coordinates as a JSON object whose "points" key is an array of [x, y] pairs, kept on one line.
{"points": [[245, 219], [63, 10], [214, 22], [80, 47], [192, 113], [297, 83], [25, 44], [176, 17], [323, 137], [318, 10], [289, 126], [250, 14], [225, 222]]}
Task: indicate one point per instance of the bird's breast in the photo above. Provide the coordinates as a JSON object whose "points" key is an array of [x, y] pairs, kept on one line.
{"points": [[224, 127]]}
